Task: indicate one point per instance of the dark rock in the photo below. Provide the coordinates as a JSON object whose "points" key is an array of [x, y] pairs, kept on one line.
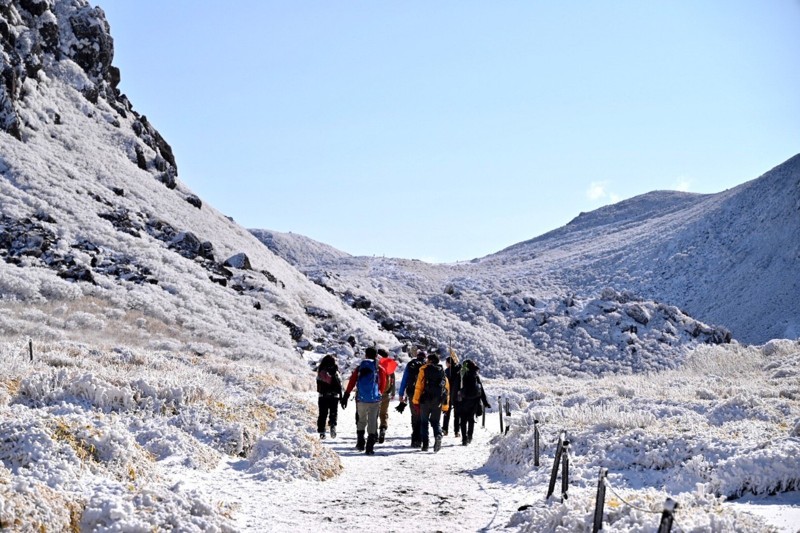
{"points": [[240, 261], [207, 252], [34, 7], [257, 305], [361, 302], [94, 49], [168, 178], [114, 76], [118, 191], [295, 331], [219, 279], [194, 200], [186, 244], [141, 161]]}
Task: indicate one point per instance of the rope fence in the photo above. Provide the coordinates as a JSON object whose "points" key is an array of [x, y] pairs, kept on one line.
{"points": [[561, 463]]}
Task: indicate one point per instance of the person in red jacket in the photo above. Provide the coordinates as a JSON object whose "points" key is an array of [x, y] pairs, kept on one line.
{"points": [[371, 380]]}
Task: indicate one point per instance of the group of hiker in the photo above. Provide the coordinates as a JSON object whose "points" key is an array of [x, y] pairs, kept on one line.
{"points": [[431, 390]]}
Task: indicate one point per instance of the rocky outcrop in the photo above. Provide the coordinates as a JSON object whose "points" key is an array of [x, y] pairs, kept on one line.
{"points": [[37, 35]]}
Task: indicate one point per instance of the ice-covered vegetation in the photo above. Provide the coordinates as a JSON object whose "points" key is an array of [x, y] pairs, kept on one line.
{"points": [[87, 433], [723, 425]]}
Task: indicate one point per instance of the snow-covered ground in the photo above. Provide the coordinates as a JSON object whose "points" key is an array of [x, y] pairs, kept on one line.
{"points": [[134, 440]]}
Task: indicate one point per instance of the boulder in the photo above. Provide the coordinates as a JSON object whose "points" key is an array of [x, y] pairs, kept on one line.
{"points": [[240, 261]]}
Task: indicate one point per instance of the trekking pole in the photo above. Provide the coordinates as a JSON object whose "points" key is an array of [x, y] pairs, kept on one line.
{"points": [[667, 516], [500, 411], [600, 501], [535, 443]]}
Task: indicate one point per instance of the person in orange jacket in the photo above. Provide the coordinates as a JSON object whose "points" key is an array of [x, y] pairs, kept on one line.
{"points": [[431, 394]]}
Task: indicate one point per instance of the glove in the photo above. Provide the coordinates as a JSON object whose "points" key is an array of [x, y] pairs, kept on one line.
{"points": [[401, 407], [343, 401], [488, 406]]}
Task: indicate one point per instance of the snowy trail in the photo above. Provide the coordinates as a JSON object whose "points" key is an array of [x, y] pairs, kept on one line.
{"points": [[397, 489]]}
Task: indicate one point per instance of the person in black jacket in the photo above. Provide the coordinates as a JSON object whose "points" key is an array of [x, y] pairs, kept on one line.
{"points": [[329, 387], [453, 373], [472, 395]]}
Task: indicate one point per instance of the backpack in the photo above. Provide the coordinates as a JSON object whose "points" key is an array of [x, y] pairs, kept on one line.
{"points": [[368, 382], [413, 371], [435, 389], [470, 385]]}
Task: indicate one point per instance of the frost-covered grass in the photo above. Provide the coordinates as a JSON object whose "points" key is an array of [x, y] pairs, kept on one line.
{"points": [[87, 432], [723, 425]]}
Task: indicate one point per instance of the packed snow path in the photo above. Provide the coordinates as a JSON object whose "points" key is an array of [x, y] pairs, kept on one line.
{"points": [[397, 489]]}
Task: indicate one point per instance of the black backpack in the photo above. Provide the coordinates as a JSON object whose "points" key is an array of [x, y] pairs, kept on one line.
{"points": [[435, 388], [413, 373], [470, 385]]}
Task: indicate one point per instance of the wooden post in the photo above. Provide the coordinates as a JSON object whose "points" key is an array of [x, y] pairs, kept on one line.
{"points": [[565, 471], [556, 463], [30, 349], [500, 411], [483, 419], [667, 516], [535, 443], [600, 501]]}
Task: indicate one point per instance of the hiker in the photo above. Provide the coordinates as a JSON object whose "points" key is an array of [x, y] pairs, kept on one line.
{"points": [[406, 392], [453, 373], [329, 387], [371, 380], [473, 399], [389, 365], [431, 394]]}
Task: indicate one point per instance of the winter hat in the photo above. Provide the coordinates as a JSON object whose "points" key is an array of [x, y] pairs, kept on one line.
{"points": [[433, 359], [371, 352], [382, 352]]}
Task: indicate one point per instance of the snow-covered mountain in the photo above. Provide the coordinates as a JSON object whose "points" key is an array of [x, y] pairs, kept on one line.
{"points": [[614, 290]]}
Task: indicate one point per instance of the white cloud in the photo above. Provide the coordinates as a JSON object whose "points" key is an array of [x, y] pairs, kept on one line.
{"points": [[597, 190], [682, 184]]}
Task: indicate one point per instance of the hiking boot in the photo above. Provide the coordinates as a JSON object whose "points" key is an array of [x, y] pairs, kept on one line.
{"points": [[382, 436], [371, 440], [424, 445], [360, 443], [444, 432], [469, 440], [464, 441], [333, 432], [437, 444], [322, 436], [457, 434]]}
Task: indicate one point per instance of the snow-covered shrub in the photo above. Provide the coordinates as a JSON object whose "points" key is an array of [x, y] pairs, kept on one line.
{"points": [[769, 470], [286, 452]]}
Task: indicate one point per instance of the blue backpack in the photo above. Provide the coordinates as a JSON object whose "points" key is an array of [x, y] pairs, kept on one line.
{"points": [[368, 382]]}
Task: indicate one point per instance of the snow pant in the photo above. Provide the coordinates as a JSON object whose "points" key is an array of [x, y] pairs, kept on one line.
{"points": [[415, 422], [430, 413], [328, 408], [385, 399], [368, 417], [455, 411], [468, 407]]}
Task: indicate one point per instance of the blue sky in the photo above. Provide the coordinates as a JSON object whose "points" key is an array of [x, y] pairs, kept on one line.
{"points": [[449, 130]]}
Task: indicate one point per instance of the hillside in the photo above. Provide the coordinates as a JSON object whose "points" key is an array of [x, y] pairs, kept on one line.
{"points": [[614, 289]]}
